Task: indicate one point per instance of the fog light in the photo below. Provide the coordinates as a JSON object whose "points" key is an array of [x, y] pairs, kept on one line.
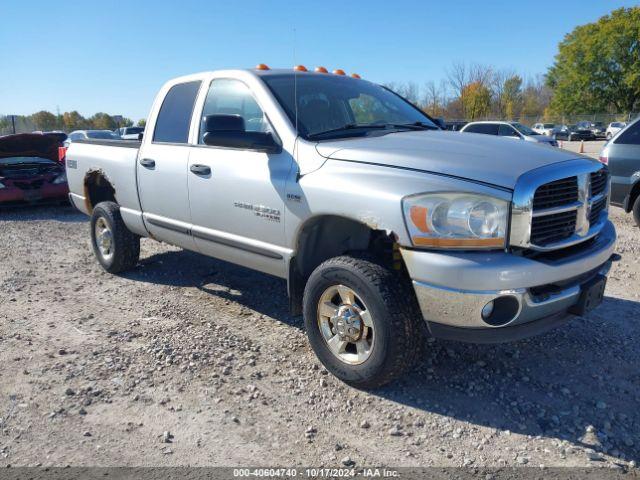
{"points": [[487, 310]]}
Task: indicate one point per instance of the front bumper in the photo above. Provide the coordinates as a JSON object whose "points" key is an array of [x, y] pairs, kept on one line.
{"points": [[47, 193], [530, 295]]}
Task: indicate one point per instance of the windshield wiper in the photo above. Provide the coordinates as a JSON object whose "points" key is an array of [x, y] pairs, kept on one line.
{"points": [[413, 126], [348, 126]]}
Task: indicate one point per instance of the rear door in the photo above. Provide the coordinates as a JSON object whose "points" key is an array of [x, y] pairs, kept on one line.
{"points": [[237, 195], [163, 166]]}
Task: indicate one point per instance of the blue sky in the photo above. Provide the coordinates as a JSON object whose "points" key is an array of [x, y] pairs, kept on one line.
{"points": [[112, 56]]}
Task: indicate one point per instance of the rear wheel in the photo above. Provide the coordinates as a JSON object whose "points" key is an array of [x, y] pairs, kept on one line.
{"points": [[114, 245], [636, 210], [362, 320]]}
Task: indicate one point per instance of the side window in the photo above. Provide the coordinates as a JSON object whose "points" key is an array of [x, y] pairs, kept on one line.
{"points": [[507, 131], [174, 117], [631, 136], [233, 97], [486, 128]]}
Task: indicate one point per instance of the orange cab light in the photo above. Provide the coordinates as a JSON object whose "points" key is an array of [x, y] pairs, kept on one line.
{"points": [[300, 68], [262, 66], [338, 71], [355, 75], [419, 217], [321, 70]]}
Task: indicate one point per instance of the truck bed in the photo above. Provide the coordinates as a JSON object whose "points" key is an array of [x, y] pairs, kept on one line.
{"points": [[114, 160]]}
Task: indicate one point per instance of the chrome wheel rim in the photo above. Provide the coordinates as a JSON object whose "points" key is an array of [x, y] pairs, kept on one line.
{"points": [[345, 324], [104, 238]]}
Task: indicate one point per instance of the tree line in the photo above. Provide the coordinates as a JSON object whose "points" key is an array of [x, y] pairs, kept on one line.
{"points": [[596, 70], [67, 121]]}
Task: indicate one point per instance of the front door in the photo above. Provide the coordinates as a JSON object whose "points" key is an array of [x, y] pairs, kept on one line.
{"points": [[237, 196]]}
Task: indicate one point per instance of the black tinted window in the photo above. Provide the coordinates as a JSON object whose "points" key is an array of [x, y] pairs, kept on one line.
{"points": [[487, 128], [174, 118], [631, 136], [507, 131]]}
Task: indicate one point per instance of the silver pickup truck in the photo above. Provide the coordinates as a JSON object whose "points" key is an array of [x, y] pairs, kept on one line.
{"points": [[386, 228]]}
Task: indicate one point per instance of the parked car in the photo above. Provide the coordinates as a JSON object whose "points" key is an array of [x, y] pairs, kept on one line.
{"points": [[32, 169], [597, 128], [381, 223], [573, 133], [614, 128], [622, 154], [513, 130], [545, 128], [129, 133], [95, 134], [454, 126]]}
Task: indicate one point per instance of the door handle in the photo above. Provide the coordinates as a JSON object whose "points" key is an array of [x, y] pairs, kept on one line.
{"points": [[147, 162], [200, 169]]}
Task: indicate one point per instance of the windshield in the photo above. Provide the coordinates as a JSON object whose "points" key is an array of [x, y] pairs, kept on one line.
{"points": [[340, 106], [548, 125], [132, 130], [523, 129], [101, 134], [21, 160]]}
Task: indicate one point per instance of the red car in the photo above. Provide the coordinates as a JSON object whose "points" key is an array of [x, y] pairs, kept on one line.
{"points": [[32, 169]]}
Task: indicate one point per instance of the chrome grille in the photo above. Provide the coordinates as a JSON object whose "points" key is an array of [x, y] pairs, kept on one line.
{"points": [[555, 194], [553, 228], [560, 205], [599, 182]]}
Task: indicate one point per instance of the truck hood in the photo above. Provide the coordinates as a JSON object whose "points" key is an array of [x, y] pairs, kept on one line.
{"points": [[473, 156]]}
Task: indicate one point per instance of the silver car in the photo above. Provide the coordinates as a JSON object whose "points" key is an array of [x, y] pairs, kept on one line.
{"points": [[622, 154], [512, 130]]}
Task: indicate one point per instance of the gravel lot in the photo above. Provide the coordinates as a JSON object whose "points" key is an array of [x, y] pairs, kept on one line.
{"points": [[191, 361]]}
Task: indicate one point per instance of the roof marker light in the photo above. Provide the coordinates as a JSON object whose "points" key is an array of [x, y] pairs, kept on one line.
{"points": [[321, 70], [300, 68], [262, 66], [338, 71], [355, 75]]}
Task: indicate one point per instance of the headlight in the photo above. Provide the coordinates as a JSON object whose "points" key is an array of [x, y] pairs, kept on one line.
{"points": [[62, 178], [456, 220], [2, 185]]}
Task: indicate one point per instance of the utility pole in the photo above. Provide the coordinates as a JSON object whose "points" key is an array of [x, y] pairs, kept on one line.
{"points": [[13, 123]]}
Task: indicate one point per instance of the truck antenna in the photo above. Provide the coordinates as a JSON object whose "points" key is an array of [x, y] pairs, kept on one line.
{"points": [[295, 81]]}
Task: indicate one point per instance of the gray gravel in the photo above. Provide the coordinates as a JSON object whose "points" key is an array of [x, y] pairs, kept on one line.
{"points": [[191, 361]]}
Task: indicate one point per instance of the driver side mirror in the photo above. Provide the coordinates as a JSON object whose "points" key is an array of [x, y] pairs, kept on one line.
{"points": [[229, 131]]}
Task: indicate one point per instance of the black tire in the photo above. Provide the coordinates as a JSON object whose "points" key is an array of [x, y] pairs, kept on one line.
{"points": [[636, 210], [397, 323], [125, 250]]}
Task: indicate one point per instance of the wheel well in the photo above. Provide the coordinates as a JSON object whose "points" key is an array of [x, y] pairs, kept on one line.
{"points": [[633, 194], [329, 236], [97, 188]]}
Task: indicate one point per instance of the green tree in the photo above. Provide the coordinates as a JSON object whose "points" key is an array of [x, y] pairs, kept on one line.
{"points": [[102, 121], [44, 120], [512, 96], [476, 100], [142, 122], [73, 121], [598, 65]]}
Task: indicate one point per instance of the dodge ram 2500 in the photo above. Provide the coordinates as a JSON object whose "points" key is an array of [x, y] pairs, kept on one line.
{"points": [[386, 228]]}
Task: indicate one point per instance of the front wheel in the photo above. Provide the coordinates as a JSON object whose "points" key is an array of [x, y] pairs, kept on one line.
{"points": [[114, 245], [362, 320]]}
